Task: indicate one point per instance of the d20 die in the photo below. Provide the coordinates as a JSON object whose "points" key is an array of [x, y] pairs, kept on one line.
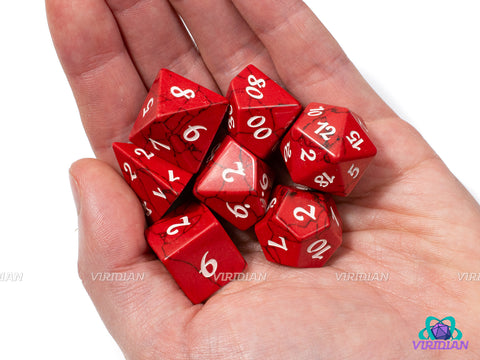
{"points": [[327, 149], [178, 120], [235, 184], [156, 182], [301, 228], [196, 250], [260, 111]]}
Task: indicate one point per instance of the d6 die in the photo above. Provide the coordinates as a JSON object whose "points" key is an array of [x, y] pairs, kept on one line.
{"points": [[235, 184], [327, 149], [156, 182], [260, 111], [196, 250], [178, 120], [301, 228]]}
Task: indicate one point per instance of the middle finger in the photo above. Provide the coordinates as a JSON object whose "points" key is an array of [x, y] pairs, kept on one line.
{"points": [[225, 41]]}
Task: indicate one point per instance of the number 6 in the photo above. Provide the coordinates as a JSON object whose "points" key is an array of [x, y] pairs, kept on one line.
{"points": [[203, 266]]}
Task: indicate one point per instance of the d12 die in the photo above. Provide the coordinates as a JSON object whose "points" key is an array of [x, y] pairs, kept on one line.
{"points": [[327, 149], [178, 120], [301, 228], [156, 182], [196, 250], [235, 184], [260, 111]]}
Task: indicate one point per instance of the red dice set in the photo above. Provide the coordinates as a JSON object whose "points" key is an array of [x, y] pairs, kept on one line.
{"points": [[326, 150]]}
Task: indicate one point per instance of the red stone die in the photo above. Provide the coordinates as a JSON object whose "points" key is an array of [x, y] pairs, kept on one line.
{"points": [[178, 120], [301, 228], [156, 182], [196, 250], [235, 184], [260, 111], [327, 149]]}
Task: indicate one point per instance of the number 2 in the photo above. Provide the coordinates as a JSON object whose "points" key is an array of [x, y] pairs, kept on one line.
{"points": [[300, 210], [128, 169], [172, 230]]}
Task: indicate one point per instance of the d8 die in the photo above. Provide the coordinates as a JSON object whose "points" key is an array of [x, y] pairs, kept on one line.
{"points": [[235, 184], [178, 120], [327, 149], [260, 111], [156, 182], [301, 228], [196, 250]]}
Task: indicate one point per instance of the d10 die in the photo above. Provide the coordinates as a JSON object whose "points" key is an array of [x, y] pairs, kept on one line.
{"points": [[327, 149], [301, 228], [156, 182], [260, 111], [178, 120], [235, 184], [196, 250]]}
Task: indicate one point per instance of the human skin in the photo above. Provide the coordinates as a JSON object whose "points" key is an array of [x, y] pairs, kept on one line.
{"points": [[408, 217]]}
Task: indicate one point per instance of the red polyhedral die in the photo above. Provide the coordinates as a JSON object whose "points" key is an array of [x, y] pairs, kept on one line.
{"points": [[196, 250], [327, 149], [260, 111], [156, 182], [178, 120], [301, 228], [235, 184]]}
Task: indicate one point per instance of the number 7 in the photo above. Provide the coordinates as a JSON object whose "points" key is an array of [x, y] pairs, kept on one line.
{"points": [[283, 246]]}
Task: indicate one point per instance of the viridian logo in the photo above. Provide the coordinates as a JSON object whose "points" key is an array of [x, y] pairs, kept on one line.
{"points": [[440, 334]]}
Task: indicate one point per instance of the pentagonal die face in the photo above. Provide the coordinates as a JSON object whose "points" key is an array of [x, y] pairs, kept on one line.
{"points": [[300, 229], [260, 111], [235, 184], [327, 149], [178, 120]]}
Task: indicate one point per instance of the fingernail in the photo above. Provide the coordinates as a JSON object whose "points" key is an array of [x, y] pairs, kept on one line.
{"points": [[75, 191]]}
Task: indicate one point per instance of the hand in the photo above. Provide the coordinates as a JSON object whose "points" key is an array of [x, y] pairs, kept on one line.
{"points": [[408, 217]]}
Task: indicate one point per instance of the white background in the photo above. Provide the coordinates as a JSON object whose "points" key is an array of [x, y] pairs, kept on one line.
{"points": [[423, 58]]}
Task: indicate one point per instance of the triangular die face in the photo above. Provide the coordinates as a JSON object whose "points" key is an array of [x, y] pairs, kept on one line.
{"points": [[230, 173], [177, 93], [252, 88], [163, 171], [356, 143], [324, 125], [153, 179]]}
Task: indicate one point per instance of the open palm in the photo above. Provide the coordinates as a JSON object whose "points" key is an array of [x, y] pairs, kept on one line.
{"points": [[408, 217]]}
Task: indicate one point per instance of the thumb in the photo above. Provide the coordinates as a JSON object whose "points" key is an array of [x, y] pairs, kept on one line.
{"points": [[131, 289]]}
